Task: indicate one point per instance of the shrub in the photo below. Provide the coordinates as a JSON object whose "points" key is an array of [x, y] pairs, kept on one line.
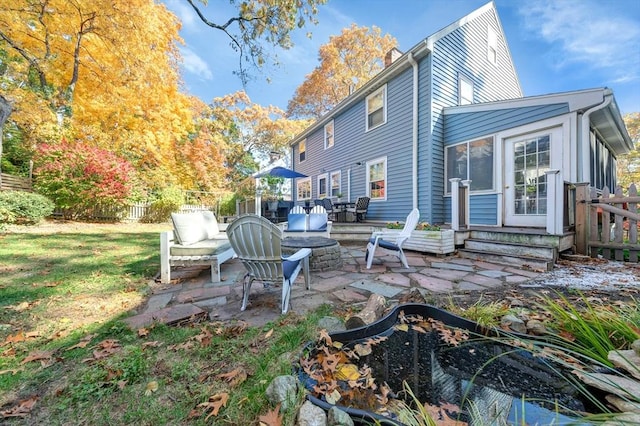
{"points": [[422, 226], [24, 207], [166, 201], [79, 177]]}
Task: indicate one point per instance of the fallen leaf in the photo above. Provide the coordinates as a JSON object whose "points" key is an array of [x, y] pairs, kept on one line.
{"points": [[151, 388], [83, 342], [347, 372], [22, 409], [153, 344], [268, 334], [215, 403], [37, 356], [143, 332], [15, 338], [362, 350], [233, 377], [402, 327], [272, 418]]}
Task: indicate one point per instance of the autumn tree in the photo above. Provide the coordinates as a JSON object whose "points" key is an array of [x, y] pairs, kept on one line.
{"points": [[251, 133], [260, 24], [629, 164], [347, 62], [102, 71]]}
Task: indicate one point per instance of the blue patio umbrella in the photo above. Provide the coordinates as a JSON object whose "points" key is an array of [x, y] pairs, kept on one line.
{"points": [[282, 172]]}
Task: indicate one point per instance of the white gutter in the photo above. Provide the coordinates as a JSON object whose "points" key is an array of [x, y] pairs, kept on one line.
{"points": [[584, 137], [414, 136]]}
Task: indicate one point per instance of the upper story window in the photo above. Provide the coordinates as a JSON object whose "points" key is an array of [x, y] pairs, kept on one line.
{"points": [[328, 135], [377, 179], [303, 188], [492, 46], [335, 183], [376, 105], [471, 161], [465, 90], [302, 148], [322, 186]]}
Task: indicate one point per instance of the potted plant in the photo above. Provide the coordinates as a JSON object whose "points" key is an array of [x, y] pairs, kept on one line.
{"points": [[339, 196]]}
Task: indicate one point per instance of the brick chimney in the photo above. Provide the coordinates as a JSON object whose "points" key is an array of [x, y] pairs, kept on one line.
{"points": [[391, 56]]}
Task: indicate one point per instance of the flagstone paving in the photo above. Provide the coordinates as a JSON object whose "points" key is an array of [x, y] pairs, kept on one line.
{"points": [[192, 295]]}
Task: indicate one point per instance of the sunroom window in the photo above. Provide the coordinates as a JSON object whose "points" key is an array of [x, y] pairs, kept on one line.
{"points": [[471, 161]]}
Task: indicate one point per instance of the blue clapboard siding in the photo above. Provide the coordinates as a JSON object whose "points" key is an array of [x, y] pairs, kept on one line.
{"points": [[464, 51], [461, 127], [352, 145], [483, 209]]}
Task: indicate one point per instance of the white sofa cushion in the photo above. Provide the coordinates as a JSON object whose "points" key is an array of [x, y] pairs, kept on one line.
{"points": [[189, 227], [210, 224]]}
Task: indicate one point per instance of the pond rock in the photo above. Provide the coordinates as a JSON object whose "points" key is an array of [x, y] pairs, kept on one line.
{"points": [[337, 417], [311, 415], [536, 327], [636, 346], [624, 387], [331, 324], [623, 405], [282, 390], [627, 360], [513, 323]]}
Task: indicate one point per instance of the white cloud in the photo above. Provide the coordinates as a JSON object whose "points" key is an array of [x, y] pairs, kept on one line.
{"points": [[588, 32], [194, 64]]}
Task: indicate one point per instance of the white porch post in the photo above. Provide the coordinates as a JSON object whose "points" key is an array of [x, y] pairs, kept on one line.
{"points": [[258, 207], [554, 202], [455, 205], [467, 201]]}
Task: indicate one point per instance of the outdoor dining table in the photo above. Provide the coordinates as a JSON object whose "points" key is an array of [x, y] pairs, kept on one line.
{"points": [[340, 208]]}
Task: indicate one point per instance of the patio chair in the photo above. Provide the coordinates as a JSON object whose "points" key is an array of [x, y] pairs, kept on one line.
{"points": [[257, 243], [359, 210], [377, 240], [296, 220], [328, 206]]}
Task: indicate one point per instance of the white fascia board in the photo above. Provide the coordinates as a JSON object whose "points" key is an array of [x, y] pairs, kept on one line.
{"points": [[577, 101]]}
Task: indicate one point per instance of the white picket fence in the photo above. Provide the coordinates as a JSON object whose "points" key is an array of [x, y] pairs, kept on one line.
{"points": [[135, 212]]}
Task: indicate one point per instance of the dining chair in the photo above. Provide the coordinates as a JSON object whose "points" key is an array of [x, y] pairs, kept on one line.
{"points": [[359, 209], [257, 243], [394, 244], [328, 206]]}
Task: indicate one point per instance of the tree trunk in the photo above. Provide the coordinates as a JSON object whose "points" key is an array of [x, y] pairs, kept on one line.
{"points": [[372, 312], [5, 111]]}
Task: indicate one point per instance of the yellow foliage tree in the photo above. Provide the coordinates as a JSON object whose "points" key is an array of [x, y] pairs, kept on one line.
{"points": [[102, 71], [347, 62], [629, 165]]}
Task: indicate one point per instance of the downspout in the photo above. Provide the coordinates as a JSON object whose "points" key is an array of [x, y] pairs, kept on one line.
{"points": [[583, 151], [414, 136]]}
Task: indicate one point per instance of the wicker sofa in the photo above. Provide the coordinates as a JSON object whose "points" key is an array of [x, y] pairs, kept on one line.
{"points": [[194, 240]]}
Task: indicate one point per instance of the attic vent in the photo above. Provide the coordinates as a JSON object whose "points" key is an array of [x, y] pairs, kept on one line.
{"points": [[391, 56]]}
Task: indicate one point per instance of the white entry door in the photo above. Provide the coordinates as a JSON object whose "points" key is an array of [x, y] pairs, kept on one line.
{"points": [[527, 158]]}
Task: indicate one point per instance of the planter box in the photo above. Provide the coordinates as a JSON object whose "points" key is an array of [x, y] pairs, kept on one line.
{"points": [[438, 242]]}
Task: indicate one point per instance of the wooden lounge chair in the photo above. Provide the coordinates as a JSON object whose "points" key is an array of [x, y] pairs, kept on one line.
{"points": [[257, 243], [376, 240]]}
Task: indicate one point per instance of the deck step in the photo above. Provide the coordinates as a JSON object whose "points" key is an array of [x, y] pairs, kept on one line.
{"points": [[534, 263], [528, 250]]}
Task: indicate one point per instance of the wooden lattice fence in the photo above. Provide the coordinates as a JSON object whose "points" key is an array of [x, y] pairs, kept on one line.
{"points": [[608, 224], [15, 183]]}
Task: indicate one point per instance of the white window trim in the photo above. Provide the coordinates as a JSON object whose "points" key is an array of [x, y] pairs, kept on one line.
{"points": [[492, 43], [324, 176], [386, 179], [299, 182], [383, 89], [331, 175], [304, 141], [464, 79], [333, 135]]}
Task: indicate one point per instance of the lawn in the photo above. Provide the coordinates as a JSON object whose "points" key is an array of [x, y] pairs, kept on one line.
{"points": [[67, 358]]}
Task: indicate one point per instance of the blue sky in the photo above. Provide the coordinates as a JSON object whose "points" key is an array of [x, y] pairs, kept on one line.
{"points": [[556, 45]]}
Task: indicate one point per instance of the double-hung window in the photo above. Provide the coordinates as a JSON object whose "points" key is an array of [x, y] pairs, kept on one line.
{"points": [[328, 135], [465, 90], [335, 183], [302, 150], [303, 186], [377, 179], [471, 161], [376, 106], [492, 46], [322, 186]]}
